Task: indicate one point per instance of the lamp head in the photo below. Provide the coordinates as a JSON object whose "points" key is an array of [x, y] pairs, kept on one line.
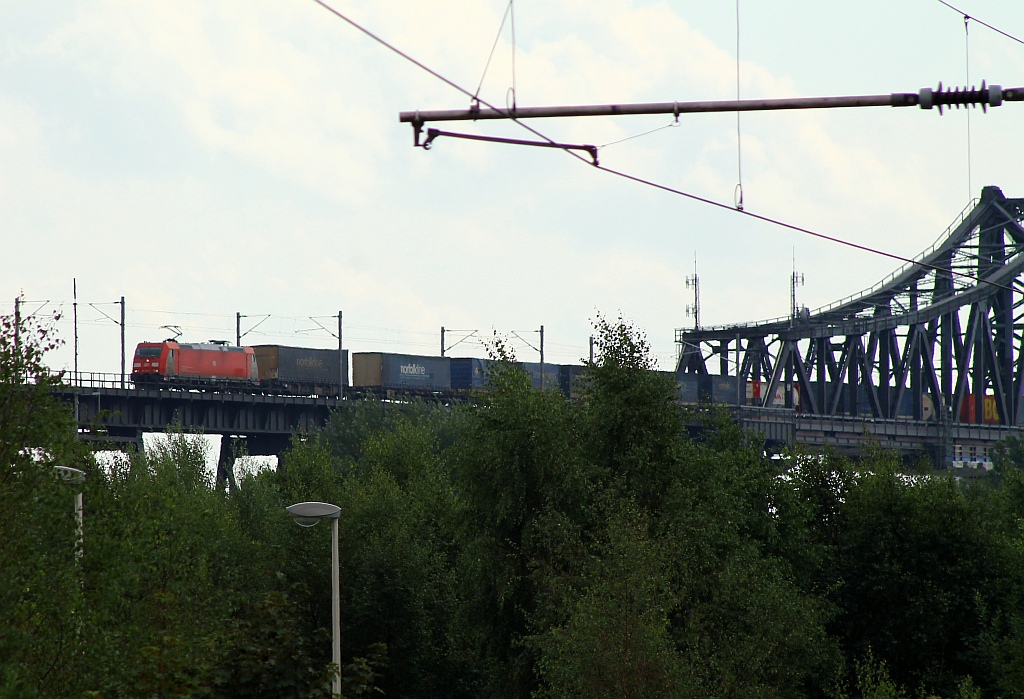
{"points": [[70, 475], [307, 514]]}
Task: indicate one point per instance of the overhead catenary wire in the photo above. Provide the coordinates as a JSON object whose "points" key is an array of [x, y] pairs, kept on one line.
{"points": [[357, 335], [497, 38], [800, 229], [640, 180], [997, 30], [644, 133]]}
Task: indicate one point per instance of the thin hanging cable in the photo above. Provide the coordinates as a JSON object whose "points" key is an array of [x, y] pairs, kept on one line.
{"points": [[512, 14], [967, 61], [737, 194], [650, 183], [997, 30], [497, 38], [645, 133], [798, 229]]}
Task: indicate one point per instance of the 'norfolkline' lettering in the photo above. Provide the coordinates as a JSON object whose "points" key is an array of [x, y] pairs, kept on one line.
{"points": [[413, 369]]}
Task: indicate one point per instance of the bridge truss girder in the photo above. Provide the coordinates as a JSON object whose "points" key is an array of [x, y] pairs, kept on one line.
{"points": [[926, 333]]}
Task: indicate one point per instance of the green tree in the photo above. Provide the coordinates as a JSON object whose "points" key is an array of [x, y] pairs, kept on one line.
{"points": [[516, 460], [920, 577], [40, 599]]}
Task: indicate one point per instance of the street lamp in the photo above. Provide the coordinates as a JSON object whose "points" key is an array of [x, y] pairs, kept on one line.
{"points": [[307, 514], [76, 476]]}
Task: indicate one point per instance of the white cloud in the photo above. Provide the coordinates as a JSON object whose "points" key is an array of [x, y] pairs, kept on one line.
{"points": [[213, 157]]}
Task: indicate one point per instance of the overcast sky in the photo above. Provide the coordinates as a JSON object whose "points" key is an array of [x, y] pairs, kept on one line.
{"points": [[202, 158]]}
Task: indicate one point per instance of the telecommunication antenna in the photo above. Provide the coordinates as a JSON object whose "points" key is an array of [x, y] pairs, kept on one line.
{"points": [[795, 280], [693, 282]]}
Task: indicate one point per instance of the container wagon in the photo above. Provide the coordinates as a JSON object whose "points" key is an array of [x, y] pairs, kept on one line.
{"points": [[302, 370], [401, 371], [472, 373]]}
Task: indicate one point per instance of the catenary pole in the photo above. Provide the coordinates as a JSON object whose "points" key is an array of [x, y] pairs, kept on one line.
{"points": [[542, 356], [342, 363], [17, 324], [74, 306], [122, 342]]}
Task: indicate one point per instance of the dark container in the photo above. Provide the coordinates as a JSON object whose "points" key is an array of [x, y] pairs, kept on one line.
{"points": [[469, 372], [300, 368], [550, 374], [723, 390], [570, 379], [689, 388], [401, 371]]}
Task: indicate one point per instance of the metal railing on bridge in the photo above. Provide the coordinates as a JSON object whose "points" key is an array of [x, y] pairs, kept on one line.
{"points": [[97, 379]]}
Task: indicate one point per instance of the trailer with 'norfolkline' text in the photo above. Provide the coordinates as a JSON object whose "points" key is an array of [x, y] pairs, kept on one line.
{"points": [[401, 371]]}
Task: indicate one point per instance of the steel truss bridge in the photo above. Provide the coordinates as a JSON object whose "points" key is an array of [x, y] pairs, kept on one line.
{"points": [[931, 356]]}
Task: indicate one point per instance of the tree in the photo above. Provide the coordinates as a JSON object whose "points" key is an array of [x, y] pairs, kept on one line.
{"points": [[516, 459], [166, 571], [40, 601]]}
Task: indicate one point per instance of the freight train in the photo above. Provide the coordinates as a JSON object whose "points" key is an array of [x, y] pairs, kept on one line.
{"points": [[308, 371]]}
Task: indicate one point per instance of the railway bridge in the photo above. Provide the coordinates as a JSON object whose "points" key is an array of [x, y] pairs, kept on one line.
{"points": [[115, 413], [930, 358]]}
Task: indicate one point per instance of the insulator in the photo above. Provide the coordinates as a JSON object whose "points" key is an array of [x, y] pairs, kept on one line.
{"points": [[987, 96]]}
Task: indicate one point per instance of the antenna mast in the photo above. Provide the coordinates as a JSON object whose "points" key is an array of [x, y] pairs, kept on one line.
{"points": [[795, 280], [693, 282]]}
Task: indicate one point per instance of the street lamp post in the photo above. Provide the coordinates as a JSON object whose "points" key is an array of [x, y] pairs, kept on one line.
{"points": [[76, 476], [307, 514]]}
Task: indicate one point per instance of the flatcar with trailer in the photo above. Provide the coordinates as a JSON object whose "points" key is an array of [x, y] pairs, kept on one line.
{"points": [[301, 370], [472, 373], [402, 372]]}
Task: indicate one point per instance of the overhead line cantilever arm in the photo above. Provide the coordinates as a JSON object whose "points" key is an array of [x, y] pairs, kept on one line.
{"points": [[434, 133], [987, 96]]}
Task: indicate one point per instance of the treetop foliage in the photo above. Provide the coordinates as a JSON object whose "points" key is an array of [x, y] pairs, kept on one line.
{"points": [[519, 545]]}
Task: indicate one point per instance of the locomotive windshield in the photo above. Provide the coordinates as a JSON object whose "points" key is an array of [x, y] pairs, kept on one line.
{"points": [[148, 351]]}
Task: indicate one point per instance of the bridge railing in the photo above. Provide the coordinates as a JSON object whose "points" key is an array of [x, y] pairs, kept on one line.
{"points": [[88, 379], [97, 379], [860, 294]]}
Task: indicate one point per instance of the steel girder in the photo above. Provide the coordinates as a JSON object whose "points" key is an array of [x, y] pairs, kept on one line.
{"points": [[938, 334]]}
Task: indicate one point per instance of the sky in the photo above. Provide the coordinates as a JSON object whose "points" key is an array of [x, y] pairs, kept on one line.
{"points": [[207, 158]]}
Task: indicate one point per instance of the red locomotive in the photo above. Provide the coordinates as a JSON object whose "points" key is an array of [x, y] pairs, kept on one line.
{"points": [[181, 363]]}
